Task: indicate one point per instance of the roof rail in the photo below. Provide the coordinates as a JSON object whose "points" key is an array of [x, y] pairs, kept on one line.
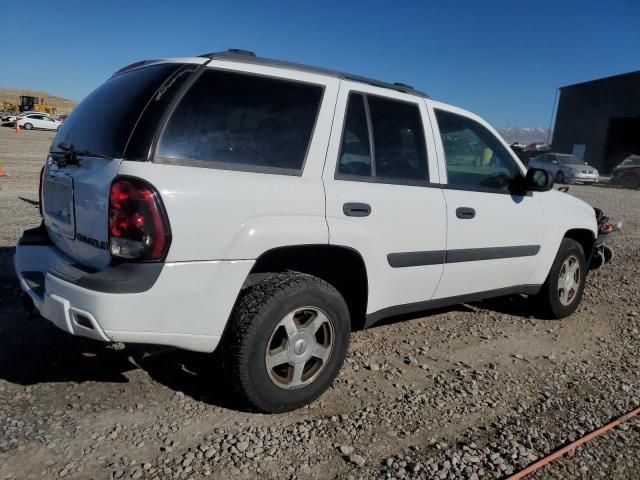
{"points": [[248, 56]]}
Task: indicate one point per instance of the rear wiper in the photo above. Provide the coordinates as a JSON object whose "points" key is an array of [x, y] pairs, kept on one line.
{"points": [[70, 156]]}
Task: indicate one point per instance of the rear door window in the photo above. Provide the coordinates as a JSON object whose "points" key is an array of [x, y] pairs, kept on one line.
{"points": [[398, 139], [355, 156], [388, 131], [241, 121]]}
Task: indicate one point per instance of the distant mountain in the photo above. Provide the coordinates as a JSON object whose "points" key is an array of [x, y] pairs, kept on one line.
{"points": [[12, 95], [524, 135]]}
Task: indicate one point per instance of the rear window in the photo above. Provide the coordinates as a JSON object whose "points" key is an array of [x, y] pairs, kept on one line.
{"points": [[103, 121], [242, 122]]}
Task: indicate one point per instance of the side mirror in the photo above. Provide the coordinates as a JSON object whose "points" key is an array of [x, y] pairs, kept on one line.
{"points": [[538, 180], [555, 162]]}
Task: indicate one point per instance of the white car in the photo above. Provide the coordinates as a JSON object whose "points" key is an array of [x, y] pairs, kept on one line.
{"points": [[566, 168], [266, 209], [38, 121]]}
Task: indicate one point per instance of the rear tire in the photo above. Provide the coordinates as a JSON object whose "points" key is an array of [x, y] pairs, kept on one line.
{"points": [[286, 341], [28, 126], [562, 290]]}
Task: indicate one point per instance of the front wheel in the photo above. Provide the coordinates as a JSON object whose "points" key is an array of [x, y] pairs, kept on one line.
{"points": [[28, 126], [559, 177], [286, 341], [562, 291]]}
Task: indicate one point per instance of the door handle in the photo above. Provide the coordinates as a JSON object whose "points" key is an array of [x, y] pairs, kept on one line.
{"points": [[356, 209], [466, 213]]}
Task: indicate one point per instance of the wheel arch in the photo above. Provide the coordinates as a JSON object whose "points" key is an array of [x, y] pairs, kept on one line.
{"points": [[585, 238], [342, 267]]}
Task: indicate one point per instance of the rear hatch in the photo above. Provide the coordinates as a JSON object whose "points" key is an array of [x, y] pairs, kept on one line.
{"points": [[87, 151]]}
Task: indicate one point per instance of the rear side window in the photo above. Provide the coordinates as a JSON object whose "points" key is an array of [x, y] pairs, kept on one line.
{"points": [[243, 122], [398, 139], [388, 131], [355, 156], [103, 121]]}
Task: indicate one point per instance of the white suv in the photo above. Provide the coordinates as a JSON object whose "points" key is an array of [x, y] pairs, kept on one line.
{"points": [[269, 208]]}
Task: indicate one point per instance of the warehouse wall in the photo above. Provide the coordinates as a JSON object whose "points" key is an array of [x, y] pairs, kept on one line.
{"points": [[585, 110]]}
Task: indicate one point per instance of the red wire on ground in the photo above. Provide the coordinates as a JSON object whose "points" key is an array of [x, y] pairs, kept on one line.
{"points": [[548, 459]]}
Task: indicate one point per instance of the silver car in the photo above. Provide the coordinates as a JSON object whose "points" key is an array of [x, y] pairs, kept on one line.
{"points": [[565, 168]]}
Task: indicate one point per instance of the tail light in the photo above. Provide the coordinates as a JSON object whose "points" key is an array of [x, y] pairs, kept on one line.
{"points": [[138, 224]]}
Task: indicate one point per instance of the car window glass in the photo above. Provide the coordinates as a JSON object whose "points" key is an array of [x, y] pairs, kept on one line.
{"points": [[399, 149], [475, 157], [398, 139], [242, 121], [104, 120], [355, 155]]}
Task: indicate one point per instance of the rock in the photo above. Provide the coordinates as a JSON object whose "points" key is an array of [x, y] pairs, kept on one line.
{"points": [[357, 460], [345, 449]]}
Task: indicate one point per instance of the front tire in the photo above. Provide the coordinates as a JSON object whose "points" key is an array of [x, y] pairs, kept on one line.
{"points": [[286, 341], [28, 126], [562, 291], [559, 177]]}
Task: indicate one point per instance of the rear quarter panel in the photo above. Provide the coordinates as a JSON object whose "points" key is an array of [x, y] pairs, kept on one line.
{"points": [[228, 215]]}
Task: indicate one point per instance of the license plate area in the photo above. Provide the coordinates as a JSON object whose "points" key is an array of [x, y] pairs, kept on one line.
{"points": [[57, 193]]}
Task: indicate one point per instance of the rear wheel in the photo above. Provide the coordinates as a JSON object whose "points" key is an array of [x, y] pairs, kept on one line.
{"points": [[562, 291], [28, 126], [286, 341]]}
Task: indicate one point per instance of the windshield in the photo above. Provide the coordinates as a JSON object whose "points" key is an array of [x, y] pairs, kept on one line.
{"points": [[631, 160], [570, 160], [103, 121]]}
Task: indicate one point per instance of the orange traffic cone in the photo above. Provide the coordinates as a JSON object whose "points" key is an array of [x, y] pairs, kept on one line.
{"points": [[17, 127], [1, 171]]}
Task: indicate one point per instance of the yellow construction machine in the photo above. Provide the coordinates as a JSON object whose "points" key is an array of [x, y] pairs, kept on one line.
{"points": [[35, 104]]}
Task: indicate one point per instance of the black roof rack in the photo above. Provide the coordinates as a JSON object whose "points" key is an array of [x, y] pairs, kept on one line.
{"points": [[248, 56]]}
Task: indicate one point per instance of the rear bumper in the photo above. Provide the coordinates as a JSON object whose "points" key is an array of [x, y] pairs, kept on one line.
{"points": [[182, 304]]}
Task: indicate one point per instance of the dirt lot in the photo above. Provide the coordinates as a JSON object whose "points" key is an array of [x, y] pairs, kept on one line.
{"points": [[475, 391]]}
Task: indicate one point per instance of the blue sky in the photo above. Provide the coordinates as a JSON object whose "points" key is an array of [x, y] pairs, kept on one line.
{"points": [[502, 60]]}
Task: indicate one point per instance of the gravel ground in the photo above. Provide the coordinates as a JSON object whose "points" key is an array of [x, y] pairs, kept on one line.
{"points": [[474, 391]]}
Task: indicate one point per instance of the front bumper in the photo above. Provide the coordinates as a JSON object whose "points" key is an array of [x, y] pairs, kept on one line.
{"points": [[186, 305], [583, 177]]}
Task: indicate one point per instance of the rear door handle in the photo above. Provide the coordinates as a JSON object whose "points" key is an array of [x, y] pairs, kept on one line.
{"points": [[466, 213], [356, 209]]}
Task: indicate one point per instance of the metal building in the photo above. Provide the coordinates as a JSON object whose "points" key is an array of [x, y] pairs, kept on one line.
{"points": [[599, 120]]}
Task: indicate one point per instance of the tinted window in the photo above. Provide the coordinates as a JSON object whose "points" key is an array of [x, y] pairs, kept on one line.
{"points": [[103, 121], [241, 121], [398, 139], [355, 155], [475, 157], [399, 149]]}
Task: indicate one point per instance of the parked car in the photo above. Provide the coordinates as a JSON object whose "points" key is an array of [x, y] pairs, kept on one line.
{"points": [[566, 168], [266, 209], [627, 173], [39, 121]]}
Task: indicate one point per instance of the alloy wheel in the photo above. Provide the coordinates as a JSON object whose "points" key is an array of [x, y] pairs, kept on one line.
{"points": [[299, 348], [569, 280]]}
